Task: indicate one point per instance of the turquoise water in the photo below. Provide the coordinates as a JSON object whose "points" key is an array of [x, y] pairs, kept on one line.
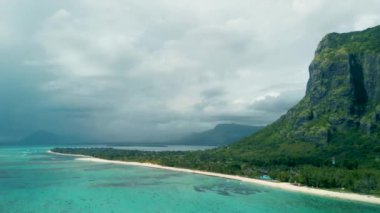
{"points": [[32, 180]]}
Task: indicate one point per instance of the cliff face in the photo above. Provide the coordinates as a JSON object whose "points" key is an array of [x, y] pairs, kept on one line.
{"points": [[342, 99], [343, 92]]}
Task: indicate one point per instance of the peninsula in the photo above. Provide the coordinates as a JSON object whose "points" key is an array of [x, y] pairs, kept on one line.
{"points": [[329, 140]]}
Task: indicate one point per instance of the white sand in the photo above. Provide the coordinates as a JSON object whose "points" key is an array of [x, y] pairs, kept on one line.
{"points": [[280, 185]]}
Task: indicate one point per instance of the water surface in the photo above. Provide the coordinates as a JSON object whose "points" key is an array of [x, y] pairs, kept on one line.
{"points": [[32, 180]]}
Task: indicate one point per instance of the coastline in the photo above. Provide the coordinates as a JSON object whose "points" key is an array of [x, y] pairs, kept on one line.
{"points": [[278, 185]]}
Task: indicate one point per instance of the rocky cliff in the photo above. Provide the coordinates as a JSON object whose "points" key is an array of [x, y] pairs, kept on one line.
{"points": [[341, 108], [343, 91]]}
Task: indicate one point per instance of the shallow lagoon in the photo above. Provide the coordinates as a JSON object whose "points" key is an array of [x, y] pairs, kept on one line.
{"points": [[31, 180]]}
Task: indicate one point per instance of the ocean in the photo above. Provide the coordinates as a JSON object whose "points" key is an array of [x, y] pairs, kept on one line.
{"points": [[32, 180]]}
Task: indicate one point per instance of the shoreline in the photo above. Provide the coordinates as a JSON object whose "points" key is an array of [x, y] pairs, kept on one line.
{"points": [[279, 185]]}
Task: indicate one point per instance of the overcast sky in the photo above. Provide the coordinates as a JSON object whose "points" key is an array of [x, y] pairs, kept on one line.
{"points": [[154, 70]]}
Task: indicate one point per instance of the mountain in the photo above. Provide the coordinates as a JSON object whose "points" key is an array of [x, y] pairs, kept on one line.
{"points": [[48, 138], [341, 108], [221, 134], [343, 92], [330, 139]]}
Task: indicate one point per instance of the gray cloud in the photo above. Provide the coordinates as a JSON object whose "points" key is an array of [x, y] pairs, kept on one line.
{"points": [[277, 103], [120, 70]]}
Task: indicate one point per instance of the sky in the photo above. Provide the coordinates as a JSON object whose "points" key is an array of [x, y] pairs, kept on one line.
{"points": [[133, 70]]}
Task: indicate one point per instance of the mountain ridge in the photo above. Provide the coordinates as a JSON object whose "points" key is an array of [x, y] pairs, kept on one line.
{"points": [[221, 134]]}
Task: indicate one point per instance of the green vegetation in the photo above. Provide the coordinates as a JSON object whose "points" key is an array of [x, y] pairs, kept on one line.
{"points": [[330, 139], [356, 168], [350, 172], [337, 45]]}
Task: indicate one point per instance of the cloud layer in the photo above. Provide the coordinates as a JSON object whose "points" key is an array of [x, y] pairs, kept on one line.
{"points": [[125, 70]]}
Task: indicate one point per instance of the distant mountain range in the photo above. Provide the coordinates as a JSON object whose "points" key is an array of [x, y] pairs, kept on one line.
{"points": [[222, 134]]}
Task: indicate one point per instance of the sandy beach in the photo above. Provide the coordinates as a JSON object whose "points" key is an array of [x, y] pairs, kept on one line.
{"points": [[279, 185]]}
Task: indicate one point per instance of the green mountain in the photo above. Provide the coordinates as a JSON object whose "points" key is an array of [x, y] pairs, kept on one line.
{"points": [[339, 117], [221, 134], [330, 139]]}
